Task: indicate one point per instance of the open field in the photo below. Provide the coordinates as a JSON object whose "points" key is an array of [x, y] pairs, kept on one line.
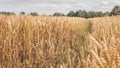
{"points": [[59, 42]]}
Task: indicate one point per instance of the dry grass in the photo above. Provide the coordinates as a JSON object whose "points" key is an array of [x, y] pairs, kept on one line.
{"points": [[59, 42], [105, 42]]}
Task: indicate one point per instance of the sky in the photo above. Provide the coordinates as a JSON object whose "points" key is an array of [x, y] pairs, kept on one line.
{"points": [[51, 6]]}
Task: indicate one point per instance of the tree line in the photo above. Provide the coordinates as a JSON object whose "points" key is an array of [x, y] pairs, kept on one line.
{"points": [[79, 13], [90, 14], [21, 13], [7, 13]]}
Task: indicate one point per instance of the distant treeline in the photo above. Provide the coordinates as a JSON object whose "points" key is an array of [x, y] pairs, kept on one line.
{"points": [[21, 13], [90, 14], [7, 13], [79, 13]]}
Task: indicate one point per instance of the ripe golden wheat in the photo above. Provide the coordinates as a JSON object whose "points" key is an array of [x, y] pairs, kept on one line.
{"points": [[59, 42]]}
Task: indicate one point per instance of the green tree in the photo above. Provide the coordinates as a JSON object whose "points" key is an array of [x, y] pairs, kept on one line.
{"points": [[107, 14], [81, 13], [22, 13], [88, 15], [71, 14], [115, 10], [7, 13], [100, 14], [92, 14], [58, 14], [34, 14]]}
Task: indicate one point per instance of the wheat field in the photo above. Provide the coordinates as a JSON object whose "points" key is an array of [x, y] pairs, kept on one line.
{"points": [[59, 42]]}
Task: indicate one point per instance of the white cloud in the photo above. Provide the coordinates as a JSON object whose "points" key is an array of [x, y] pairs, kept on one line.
{"points": [[81, 5], [109, 2], [105, 3], [116, 2], [55, 5]]}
